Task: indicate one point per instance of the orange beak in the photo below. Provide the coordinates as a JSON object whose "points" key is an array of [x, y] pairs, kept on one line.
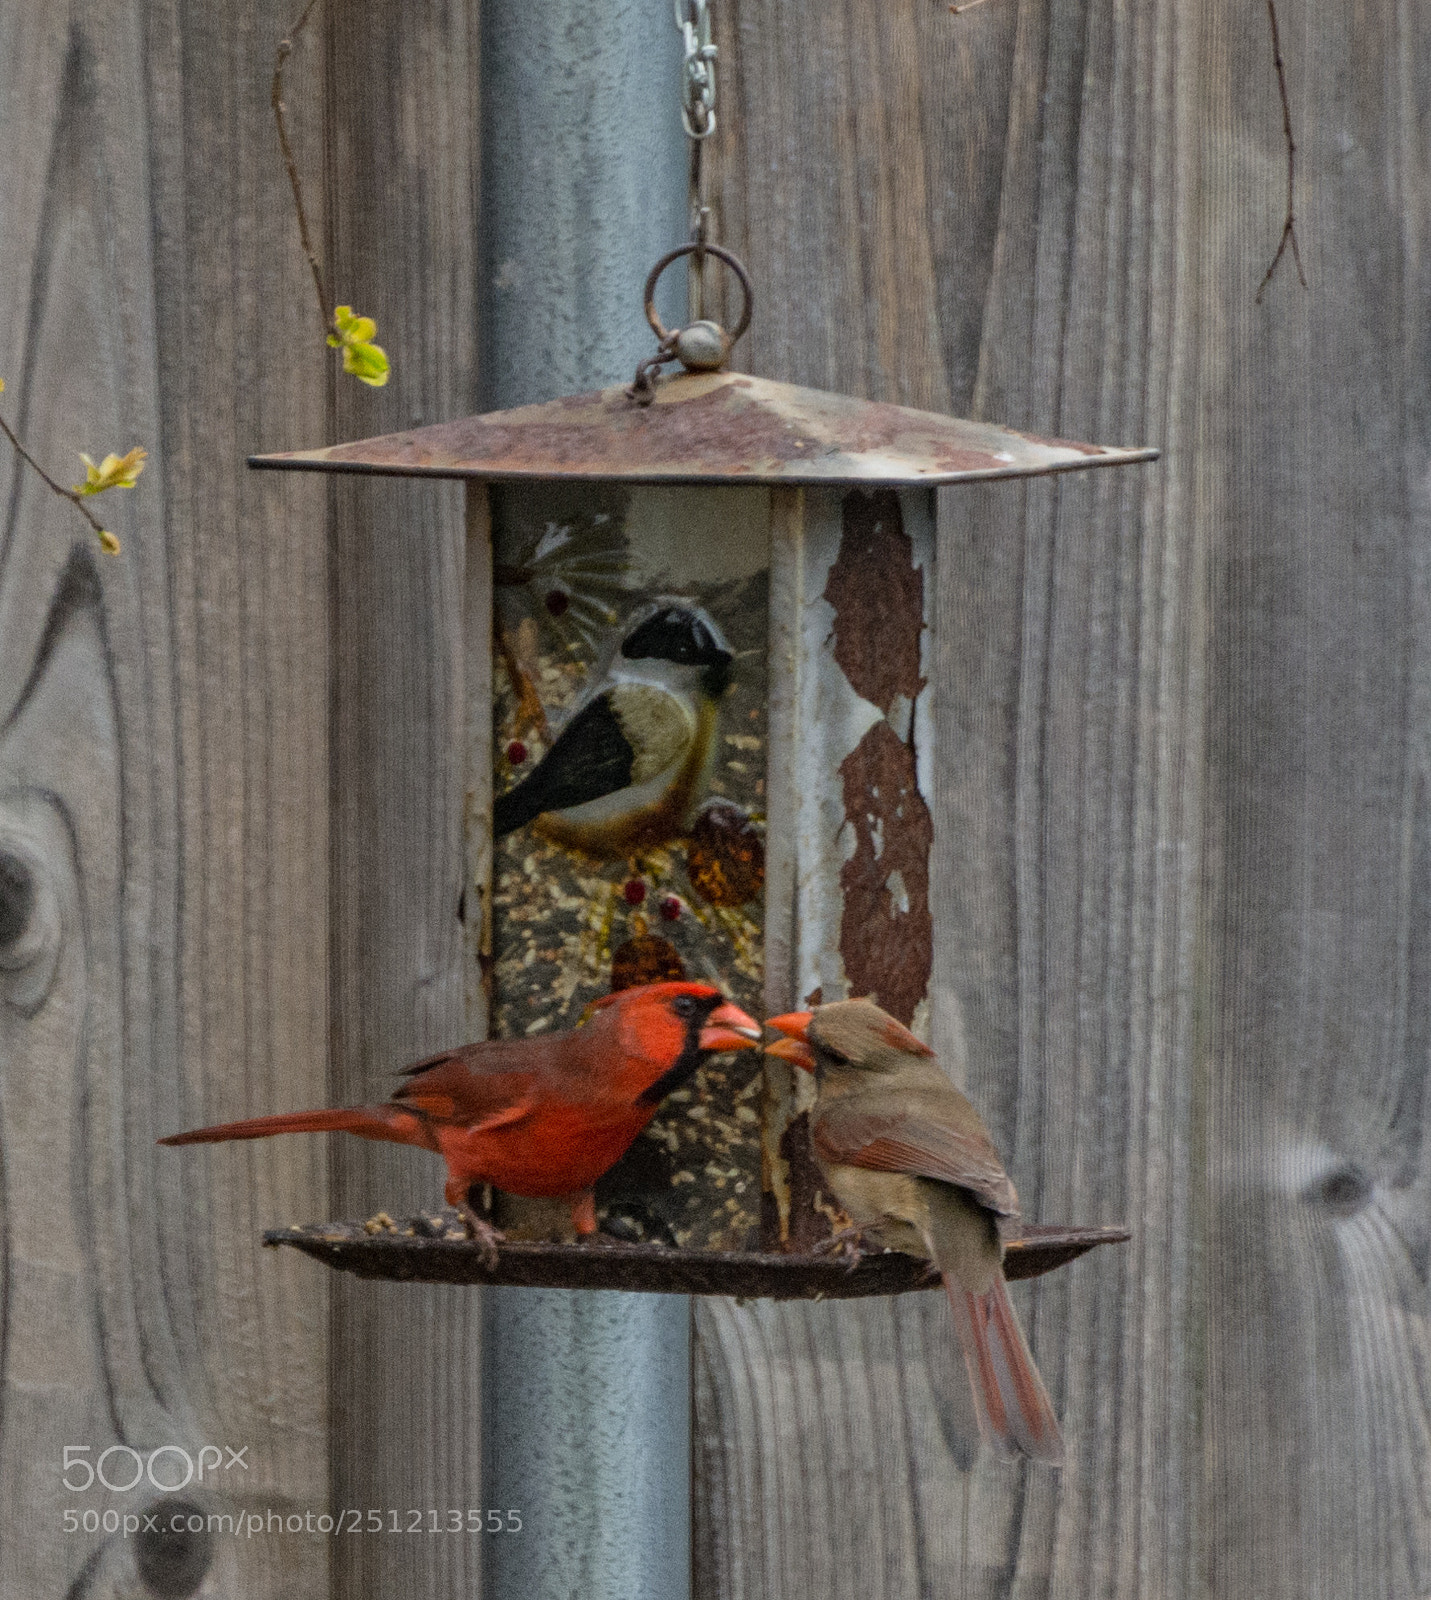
{"points": [[793, 1047], [728, 1028]]}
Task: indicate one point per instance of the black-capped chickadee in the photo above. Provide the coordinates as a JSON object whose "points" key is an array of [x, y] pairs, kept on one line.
{"points": [[629, 764]]}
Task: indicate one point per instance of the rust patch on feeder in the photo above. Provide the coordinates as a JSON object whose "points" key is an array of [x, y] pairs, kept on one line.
{"points": [[1065, 444], [887, 933], [877, 594]]}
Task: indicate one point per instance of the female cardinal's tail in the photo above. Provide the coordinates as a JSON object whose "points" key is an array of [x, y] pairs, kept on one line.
{"points": [[1014, 1411], [368, 1122]]}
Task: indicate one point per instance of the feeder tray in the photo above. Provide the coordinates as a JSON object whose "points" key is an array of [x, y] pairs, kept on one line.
{"points": [[408, 1252], [792, 534]]}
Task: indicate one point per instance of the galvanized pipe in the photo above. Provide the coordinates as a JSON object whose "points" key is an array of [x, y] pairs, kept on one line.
{"points": [[584, 185], [586, 1395]]}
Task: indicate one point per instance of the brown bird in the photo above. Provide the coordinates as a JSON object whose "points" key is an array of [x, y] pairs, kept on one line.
{"points": [[543, 1116], [906, 1155]]}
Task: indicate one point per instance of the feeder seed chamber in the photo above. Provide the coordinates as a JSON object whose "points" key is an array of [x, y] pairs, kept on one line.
{"points": [[772, 550]]}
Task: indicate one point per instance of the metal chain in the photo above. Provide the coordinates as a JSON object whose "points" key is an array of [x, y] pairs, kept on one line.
{"points": [[698, 81], [698, 116], [698, 98]]}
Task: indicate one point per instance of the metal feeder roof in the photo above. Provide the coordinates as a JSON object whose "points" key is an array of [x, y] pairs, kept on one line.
{"points": [[712, 427]]}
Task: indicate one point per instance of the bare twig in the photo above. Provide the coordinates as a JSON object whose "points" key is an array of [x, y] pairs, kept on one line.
{"points": [[958, 11], [1289, 227], [106, 538], [285, 49]]}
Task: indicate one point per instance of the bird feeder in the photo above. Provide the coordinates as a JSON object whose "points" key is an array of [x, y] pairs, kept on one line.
{"points": [[702, 744]]}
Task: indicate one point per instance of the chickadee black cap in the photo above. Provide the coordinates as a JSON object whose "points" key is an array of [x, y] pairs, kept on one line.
{"points": [[679, 634]]}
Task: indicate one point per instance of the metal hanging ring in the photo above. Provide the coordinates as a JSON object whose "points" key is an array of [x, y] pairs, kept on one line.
{"points": [[736, 265]]}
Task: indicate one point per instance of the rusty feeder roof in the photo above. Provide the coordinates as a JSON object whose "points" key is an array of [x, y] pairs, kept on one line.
{"points": [[715, 428], [695, 428]]}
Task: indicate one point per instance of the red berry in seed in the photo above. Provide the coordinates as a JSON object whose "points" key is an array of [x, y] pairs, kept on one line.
{"points": [[671, 908], [516, 752], [633, 891]]}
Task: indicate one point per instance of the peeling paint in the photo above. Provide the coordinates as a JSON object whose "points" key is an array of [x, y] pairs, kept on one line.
{"points": [[850, 836], [887, 938], [877, 596], [877, 593]]}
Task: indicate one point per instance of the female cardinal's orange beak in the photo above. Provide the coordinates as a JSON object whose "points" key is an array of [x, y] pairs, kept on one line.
{"points": [[793, 1047], [728, 1028]]}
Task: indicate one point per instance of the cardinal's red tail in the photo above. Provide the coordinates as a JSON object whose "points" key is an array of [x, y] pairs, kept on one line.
{"points": [[1014, 1411], [368, 1122]]}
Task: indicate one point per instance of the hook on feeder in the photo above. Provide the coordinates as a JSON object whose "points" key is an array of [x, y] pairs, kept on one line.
{"points": [[700, 346]]}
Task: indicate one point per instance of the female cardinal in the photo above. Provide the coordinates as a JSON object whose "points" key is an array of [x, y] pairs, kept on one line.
{"points": [[628, 765], [542, 1116], [907, 1156]]}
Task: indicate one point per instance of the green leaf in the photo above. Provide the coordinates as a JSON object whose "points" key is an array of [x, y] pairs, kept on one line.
{"points": [[114, 472], [366, 361]]}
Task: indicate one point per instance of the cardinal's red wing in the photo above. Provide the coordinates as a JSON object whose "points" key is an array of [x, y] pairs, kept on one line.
{"points": [[490, 1057], [447, 1090], [845, 1133]]}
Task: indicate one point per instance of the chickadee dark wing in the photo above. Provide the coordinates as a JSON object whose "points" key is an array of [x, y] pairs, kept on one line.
{"points": [[589, 758], [844, 1133]]}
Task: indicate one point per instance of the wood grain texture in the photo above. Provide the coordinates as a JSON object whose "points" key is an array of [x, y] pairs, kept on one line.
{"points": [[1180, 815], [163, 778], [402, 164], [1319, 426]]}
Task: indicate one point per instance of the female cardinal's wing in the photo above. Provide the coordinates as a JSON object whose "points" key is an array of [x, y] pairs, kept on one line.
{"points": [[627, 734], [909, 1138]]}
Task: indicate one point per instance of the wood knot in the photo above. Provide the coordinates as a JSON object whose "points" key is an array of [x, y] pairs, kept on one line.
{"points": [[174, 1555], [31, 926], [17, 898], [1344, 1191]]}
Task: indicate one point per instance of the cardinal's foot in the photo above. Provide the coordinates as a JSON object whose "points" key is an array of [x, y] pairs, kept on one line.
{"points": [[482, 1233], [848, 1244]]}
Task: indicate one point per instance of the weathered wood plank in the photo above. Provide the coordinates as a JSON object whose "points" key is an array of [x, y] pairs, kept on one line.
{"points": [[1319, 413], [163, 775], [1255, 1098], [402, 153]]}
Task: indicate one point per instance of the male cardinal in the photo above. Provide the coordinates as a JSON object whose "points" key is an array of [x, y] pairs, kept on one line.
{"points": [[907, 1156], [544, 1116], [631, 759]]}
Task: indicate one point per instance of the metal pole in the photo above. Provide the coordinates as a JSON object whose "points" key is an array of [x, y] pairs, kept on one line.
{"points": [[586, 1395], [584, 185]]}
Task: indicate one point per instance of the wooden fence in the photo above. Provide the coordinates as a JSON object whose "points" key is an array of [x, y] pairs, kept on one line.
{"points": [[1185, 939]]}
